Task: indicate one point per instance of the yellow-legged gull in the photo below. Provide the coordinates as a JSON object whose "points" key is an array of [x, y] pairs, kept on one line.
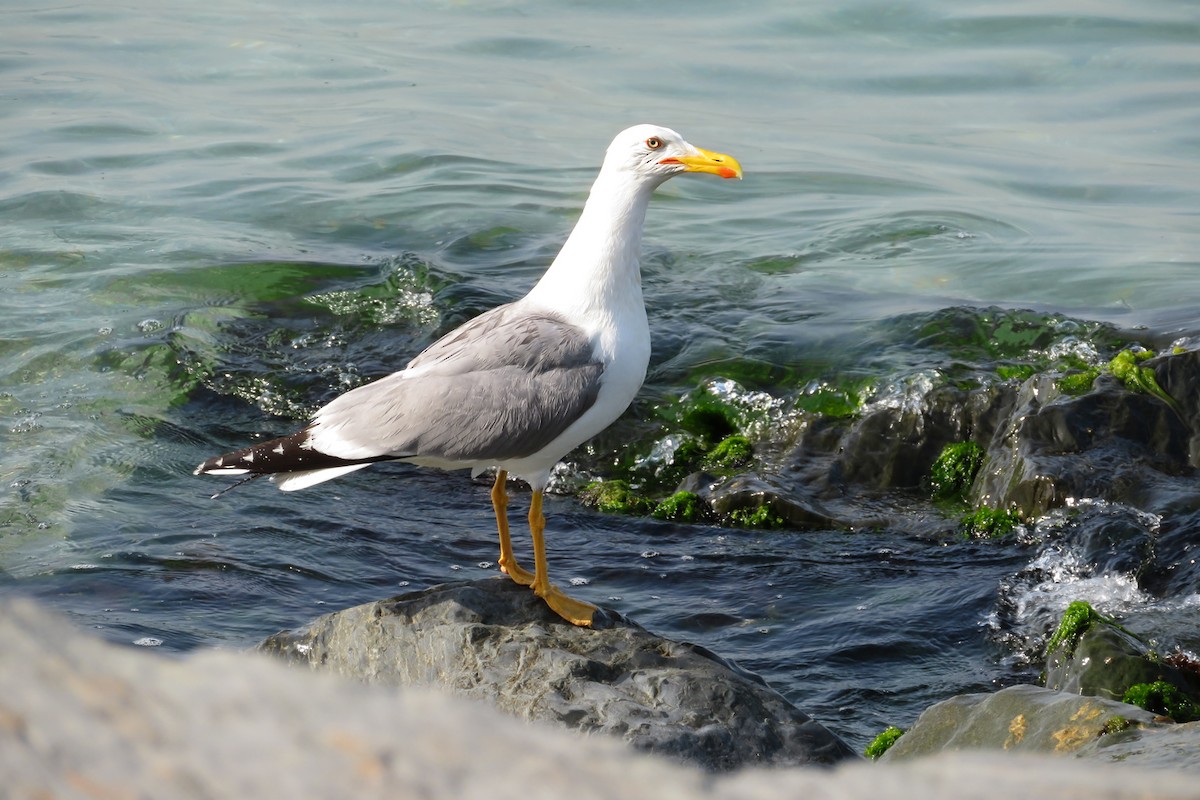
{"points": [[520, 386]]}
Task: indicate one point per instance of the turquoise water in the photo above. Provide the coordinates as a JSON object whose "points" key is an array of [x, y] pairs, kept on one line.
{"points": [[214, 217]]}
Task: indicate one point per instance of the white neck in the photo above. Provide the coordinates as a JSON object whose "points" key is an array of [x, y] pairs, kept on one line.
{"points": [[599, 262]]}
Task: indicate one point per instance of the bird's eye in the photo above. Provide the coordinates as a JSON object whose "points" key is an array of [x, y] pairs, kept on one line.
{"points": [[654, 143]]}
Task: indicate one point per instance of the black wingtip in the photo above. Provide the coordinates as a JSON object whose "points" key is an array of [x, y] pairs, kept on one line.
{"points": [[291, 453]]}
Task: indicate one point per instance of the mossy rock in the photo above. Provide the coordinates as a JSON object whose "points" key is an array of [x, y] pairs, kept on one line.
{"points": [[1104, 661], [1091, 654]]}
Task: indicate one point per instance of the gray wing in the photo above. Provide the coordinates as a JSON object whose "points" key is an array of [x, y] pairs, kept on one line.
{"points": [[502, 386]]}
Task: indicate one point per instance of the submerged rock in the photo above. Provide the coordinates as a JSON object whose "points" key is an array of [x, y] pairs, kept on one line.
{"points": [[495, 641]]}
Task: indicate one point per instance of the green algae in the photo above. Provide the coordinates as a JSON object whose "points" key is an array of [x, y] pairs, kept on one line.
{"points": [[248, 283], [998, 335], [708, 417], [1075, 622], [1078, 383], [1126, 368], [883, 742], [836, 398], [989, 523], [1116, 725], [731, 452], [954, 471], [616, 497], [760, 518], [1016, 372], [1161, 697], [681, 507]]}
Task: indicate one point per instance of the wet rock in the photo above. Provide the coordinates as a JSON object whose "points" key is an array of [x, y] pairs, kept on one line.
{"points": [[494, 641], [1043, 449], [1107, 660], [1171, 747], [1020, 719], [80, 718], [894, 445], [751, 492], [1111, 443], [870, 470]]}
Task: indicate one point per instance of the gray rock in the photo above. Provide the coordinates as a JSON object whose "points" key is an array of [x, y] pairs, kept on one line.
{"points": [[1043, 447], [1159, 747], [84, 719], [1022, 718], [1111, 443], [1106, 661], [494, 641]]}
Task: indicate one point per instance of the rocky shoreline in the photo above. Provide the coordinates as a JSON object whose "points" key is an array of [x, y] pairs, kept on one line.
{"points": [[1047, 428], [470, 690], [474, 688]]}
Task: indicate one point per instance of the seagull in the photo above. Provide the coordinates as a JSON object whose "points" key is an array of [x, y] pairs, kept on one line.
{"points": [[518, 387]]}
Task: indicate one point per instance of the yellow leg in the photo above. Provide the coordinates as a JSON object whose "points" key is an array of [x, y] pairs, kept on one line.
{"points": [[508, 562], [573, 611]]}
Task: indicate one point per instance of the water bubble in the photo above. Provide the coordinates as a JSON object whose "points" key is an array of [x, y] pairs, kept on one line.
{"points": [[150, 325], [649, 553], [148, 641], [579, 581], [485, 565]]}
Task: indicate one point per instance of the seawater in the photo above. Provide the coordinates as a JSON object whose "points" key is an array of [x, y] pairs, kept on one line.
{"points": [[214, 217]]}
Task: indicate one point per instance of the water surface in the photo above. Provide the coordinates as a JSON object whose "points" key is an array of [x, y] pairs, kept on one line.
{"points": [[215, 217]]}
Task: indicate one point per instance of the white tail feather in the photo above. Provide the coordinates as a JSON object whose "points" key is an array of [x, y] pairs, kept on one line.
{"points": [[291, 481]]}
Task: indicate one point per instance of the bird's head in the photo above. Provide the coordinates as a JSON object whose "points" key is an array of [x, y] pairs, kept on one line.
{"points": [[657, 152]]}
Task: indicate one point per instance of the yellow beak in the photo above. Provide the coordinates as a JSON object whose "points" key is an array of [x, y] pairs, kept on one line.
{"points": [[708, 161]]}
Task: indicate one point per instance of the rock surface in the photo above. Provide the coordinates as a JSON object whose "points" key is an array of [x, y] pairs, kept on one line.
{"points": [[1107, 660], [1043, 448], [1021, 718], [84, 719], [495, 641], [1111, 443]]}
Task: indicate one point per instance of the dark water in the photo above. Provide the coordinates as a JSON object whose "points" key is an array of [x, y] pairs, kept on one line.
{"points": [[213, 219]]}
